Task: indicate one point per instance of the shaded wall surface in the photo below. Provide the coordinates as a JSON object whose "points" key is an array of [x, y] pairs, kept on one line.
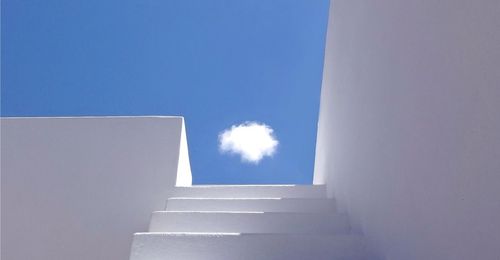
{"points": [[409, 127], [78, 188]]}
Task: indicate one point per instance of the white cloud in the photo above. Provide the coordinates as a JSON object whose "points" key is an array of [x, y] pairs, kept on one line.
{"points": [[251, 140]]}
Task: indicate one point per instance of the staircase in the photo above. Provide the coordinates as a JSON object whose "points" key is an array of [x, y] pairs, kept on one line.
{"points": [[249, 222]]}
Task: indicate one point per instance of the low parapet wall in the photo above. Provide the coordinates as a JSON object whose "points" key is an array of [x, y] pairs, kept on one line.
{"points": [[78, 188]]}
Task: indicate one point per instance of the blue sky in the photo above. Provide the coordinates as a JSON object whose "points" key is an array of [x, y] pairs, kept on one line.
{"points": [[217, 63]]}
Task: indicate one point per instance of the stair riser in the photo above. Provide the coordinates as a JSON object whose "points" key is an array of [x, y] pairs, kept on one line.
{"points": [[248, 247], [249, 222], [265, 205], [306, 191]]}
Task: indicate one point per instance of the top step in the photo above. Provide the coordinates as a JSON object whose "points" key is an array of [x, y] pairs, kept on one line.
{"points": [[251, 191]]}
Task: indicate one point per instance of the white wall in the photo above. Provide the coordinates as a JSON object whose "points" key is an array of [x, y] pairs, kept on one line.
{"points": [[78, 188], [409, 127]]}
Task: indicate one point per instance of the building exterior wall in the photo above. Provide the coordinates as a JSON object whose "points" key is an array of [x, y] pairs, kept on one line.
{"points": [[409, 127], [78, 188]]}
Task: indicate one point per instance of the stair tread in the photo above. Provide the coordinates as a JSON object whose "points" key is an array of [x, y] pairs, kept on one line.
{"points": [[254, 185], [209, 246], [251, 191], [265, 205], [243, 198], [350, 235], [249, 222]]}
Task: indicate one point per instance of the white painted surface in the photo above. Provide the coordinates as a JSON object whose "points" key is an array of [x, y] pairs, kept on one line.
{"points": [[251, 191], [159, 246], [409, 128], [184, 177], [286, 228], [249, 222], [78, 188], [248, 204]]}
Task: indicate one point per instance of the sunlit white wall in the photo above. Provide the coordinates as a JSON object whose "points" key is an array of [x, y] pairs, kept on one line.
{"points": [[78, 188], [409, 127]]}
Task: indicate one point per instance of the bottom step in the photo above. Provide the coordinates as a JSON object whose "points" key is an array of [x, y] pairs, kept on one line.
{"points": [[221, 246]]}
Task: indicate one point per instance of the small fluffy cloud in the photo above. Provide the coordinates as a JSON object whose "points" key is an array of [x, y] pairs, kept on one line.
{"points": [[251, 140]]}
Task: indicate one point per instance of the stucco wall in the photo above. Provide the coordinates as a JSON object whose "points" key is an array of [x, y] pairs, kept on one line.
{"points": [[78, 188], [409, 127]]}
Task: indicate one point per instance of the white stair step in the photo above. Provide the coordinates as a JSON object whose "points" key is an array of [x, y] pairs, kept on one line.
{"points": [[179, 246], [248, 222], [251, 204], [251, 191]]}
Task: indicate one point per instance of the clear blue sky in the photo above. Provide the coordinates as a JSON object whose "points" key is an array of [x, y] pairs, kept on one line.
{"points": [[215, 62]]}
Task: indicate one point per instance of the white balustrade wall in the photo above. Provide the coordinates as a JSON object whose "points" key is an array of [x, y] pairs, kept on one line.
{"points": [[409, 126], [78, 188]]}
